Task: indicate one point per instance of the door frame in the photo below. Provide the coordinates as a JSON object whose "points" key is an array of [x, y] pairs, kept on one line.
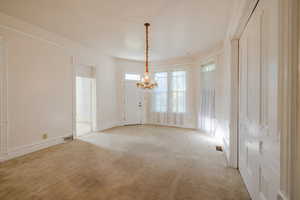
{"points": [[75, 64], [288, 93], [3, 103], [246, 10]]}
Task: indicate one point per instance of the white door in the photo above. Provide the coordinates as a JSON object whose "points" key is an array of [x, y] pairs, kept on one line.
{"points": [[258, 132], [133, 103]]}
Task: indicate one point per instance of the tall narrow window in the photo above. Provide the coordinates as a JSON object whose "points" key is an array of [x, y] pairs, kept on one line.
{"points": [[160, 97], [169, 99], [178, 103]]}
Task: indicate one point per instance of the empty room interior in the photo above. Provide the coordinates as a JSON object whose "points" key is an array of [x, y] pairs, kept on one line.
{"points": [[149, 100]]}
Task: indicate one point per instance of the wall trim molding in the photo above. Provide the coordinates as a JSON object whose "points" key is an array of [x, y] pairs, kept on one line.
{"points": [[109, 125], [281, 196], [288, 97], [74, 111], [226, 152], [245, 11], [234, 102], [3, 99], [171, 126], [23, 150], [31, 36]]}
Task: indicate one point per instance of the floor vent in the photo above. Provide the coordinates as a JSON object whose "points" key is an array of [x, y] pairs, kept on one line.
{"points": [[219, 148], [69, 138]]}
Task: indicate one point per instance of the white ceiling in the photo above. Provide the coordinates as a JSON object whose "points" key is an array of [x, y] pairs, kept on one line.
{"points": [[178, 27]]}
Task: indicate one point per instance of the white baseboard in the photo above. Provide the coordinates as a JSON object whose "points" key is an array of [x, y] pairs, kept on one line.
{"points": [[109, 125], [2, 158], [171, 125], [116, 124], [20, 151], [226, 151]]}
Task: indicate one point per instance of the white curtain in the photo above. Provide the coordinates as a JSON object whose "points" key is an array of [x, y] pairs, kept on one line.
{"points": [[168, 104]]}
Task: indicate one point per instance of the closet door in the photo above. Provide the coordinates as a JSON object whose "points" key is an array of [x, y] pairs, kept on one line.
{"points": [[258, 135]]}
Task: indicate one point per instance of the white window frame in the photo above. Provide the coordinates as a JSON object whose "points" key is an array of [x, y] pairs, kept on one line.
{"points": [[169, 92]]}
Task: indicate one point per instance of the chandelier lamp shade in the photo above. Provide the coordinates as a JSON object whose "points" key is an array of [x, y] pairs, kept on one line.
{"points": [[146, 81]]}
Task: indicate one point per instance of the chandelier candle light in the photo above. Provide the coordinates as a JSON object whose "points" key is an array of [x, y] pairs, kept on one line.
{"points": [[147, 82]]}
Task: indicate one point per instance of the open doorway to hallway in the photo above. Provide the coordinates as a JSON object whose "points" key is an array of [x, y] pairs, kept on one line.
{"points": [[85, 102]]}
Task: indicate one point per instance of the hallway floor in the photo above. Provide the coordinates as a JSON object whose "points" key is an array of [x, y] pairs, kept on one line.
{"points": [[125, 163]]}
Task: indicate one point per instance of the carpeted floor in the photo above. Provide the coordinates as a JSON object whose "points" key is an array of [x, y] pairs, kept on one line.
{"points": [[126, 163]]}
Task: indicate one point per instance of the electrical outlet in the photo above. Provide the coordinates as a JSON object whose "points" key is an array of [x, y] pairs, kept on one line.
{"points": [[45, 136]]}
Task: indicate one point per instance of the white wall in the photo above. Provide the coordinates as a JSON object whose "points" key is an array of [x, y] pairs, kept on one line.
{"points": [[107, 97], [224, 110], [222, 89], [39, 90], [40, 85], [128, 66], [225, 118]]}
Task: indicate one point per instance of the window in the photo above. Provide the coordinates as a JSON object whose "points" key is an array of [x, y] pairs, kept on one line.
{"points": [[160, 97], [178, 91], [132, 77], [170, 95]]}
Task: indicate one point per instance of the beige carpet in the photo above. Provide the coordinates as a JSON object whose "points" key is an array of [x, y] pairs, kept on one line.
{"points": [[126, 163]]}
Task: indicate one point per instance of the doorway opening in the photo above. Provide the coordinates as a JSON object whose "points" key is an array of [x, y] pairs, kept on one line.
{"points": [[85, 103]]}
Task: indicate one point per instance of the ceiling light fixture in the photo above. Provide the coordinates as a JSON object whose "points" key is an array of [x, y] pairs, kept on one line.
{"points": [[147, 82]]}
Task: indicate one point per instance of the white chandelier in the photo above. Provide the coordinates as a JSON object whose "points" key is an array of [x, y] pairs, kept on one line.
{"points": [[147, 82]]}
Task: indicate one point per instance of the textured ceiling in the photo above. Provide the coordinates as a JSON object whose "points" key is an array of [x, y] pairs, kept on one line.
{"points": [[178, 27]]}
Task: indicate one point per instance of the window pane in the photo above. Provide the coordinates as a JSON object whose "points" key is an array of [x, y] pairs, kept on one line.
{"points": [[178, 91], [177, 95], [181, 102], [160, 93]]}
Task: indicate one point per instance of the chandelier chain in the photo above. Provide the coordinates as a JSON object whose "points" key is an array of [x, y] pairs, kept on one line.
{"points": [[147, 46], [146, 81]]}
